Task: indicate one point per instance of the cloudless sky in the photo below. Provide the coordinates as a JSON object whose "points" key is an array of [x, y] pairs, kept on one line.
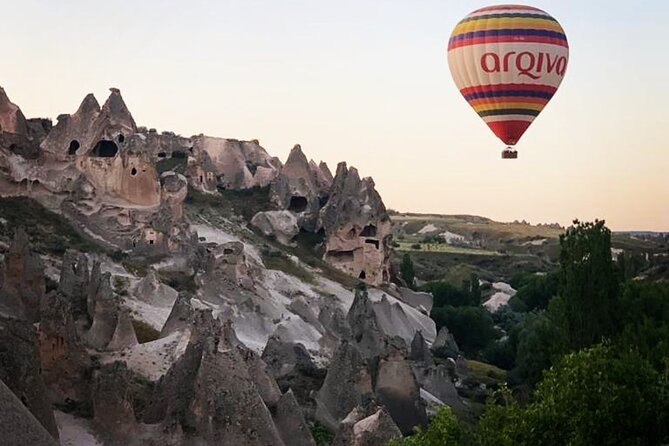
{"points": [[367, 82]]}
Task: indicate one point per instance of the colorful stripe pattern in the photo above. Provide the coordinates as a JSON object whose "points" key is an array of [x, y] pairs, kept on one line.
{"points": [[508, 62]]}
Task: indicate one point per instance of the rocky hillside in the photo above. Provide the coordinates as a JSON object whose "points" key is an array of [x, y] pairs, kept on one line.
{"points": [[160, 289]]}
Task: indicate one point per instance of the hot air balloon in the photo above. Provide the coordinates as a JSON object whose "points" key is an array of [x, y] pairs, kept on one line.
{"points": [[508, 61]]}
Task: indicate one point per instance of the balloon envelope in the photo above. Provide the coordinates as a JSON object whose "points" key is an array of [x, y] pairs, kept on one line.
{"points": [[508, 61]]}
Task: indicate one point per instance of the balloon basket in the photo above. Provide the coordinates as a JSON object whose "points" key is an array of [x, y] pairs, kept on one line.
{"points": [[509, 154]]}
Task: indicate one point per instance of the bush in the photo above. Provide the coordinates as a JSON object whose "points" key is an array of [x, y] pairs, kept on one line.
{"points": [[472, 327], [443, 430], [446, 294]]}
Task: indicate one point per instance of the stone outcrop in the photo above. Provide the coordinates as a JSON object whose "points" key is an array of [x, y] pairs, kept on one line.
{"points": [[299, 188], [348, 384], [91, 129], [444, 345], [290, 422], [396, 388], [20, 369], [153, 292], [357, 228], [106, 311], [371, 426], [234, 164], [228, 262], [18, 427], [209, 395], [22, 282], [124, 335], [282, 225], [369, 339], [419, 350], [292, 367], [112, 402], [12, 119]]}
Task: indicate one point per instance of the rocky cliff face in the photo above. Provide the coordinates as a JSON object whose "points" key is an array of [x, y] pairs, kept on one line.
{"points": [[357, 228]]}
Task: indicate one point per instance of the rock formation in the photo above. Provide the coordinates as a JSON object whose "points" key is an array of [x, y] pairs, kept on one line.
{"points": [[235, 164], [124, 334], [357, 228], [371, 426], [112, 404], [300, 188], [20, 369], [18, 427], [444, 345], [281, 225], [22, 282], [11, 117], [369, 339], [290, 422]]}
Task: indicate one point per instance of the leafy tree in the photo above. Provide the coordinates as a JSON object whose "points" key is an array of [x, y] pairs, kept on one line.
{"points": [[538, 290], [601, 396], [443, 430], [472, 327], [407, 271], [540, 344], [589, 283], [446, 294]]}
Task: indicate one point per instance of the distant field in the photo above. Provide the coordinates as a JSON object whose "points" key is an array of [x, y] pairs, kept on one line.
{"points": [[443, 247]]}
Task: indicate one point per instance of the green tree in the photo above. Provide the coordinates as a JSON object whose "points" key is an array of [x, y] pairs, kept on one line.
{"points": [[472, 327], [407, 272], [537, 291], [602, 395], [589, 283], [443, 430], [540, 344]]}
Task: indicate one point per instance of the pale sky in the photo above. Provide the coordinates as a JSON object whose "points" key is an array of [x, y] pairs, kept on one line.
{"points": [[368, 82]]}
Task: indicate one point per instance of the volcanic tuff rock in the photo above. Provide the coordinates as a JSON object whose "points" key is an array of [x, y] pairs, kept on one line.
{"points": [[281, 225], [444, 345], [369, 339], [371, 426], [234, 164], [22, 280], [18, 427], [11, 117], [290, 422], [419, 351], [357, 228], [112, 403], [300, 188], [20, 369]]}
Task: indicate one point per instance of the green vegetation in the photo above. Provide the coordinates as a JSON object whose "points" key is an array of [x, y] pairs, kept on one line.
{"points": [[472, 327], [406, 271], [444, 429], [244, 202], [49, 232], [174, 164], [279, 261], [321, 434], [588, 357]]}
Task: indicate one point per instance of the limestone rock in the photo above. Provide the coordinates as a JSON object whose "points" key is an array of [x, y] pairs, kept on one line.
{"points": [[357, 228], [367, 427], [298, 190], [20, 370], [23, 283], [18, 427], [290, 422], [280, 224]]}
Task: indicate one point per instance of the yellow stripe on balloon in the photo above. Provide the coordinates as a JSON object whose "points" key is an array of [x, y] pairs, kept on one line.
{"points": [[508, 105], [507, 23]]}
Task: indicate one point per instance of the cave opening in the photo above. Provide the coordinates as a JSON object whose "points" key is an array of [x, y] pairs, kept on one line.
{"points": [[162, 155], [121, 138], [298, 203], [368, 231], [371, 241], [74, 146], [133, 172], [362, 275], [105, 149]]}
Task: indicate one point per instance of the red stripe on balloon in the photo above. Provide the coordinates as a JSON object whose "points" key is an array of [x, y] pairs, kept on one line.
{"points": [[509, 131], [499, 87], [507, 39]]}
